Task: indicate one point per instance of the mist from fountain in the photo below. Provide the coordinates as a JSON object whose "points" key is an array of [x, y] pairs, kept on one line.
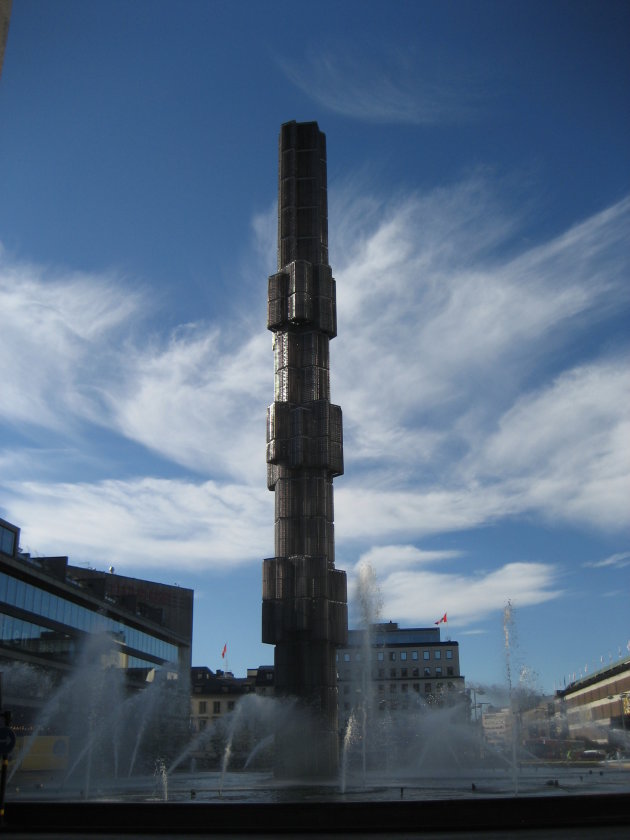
{"points": [[124, 743], [106, 726], [420, 739], [508, 633]]}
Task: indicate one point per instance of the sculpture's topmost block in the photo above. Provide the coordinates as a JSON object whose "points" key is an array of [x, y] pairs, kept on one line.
{"points": [[302, 195]]}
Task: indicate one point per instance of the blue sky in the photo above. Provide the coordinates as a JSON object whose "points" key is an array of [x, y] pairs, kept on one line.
{"points": [[479, 183]]}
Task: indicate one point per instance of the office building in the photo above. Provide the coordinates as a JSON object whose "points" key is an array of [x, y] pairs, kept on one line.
{"points": [[400, 668], [596, 707], [50, 609]]}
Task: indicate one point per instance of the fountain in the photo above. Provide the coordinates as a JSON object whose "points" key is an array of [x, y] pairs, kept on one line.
{"points": [[135, 750], [108, 732]]}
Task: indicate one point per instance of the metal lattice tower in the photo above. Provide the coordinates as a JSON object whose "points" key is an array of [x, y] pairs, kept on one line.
{"points": [[304, 596]]}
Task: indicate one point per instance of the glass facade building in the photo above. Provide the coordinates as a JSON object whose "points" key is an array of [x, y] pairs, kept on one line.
{"points": [[49, 608]]}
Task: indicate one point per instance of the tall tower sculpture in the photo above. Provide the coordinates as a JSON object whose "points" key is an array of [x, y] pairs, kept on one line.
{"points": [[304, 597]]}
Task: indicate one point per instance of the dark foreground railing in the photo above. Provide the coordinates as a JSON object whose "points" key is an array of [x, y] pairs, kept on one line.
{"points": [[537, 813]]}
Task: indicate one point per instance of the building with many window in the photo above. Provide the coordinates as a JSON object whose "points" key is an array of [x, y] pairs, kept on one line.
{"points": [[215, 697], [399, 667], [597, 707], [215, 694], [49, 609]]}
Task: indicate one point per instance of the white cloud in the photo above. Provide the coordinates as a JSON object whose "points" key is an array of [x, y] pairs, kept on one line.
{"points": [[74, 354], [430, 323], [453, 417], [439, 342], [421, 596], [616, 561], [381, 513], [56, 333], [144, 523], [386, 557], [417, 596], [565, 449], [199, 401]]}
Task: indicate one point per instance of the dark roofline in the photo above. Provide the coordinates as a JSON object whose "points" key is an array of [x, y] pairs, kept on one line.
{"points": [[595, 677]]}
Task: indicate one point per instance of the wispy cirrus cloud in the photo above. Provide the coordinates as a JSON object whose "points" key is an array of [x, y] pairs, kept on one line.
{"points": [[445, 369], [145, 522], [564, 449], [619, 560], [56, 337], [395, 86], [467, 396], [199, 401]]}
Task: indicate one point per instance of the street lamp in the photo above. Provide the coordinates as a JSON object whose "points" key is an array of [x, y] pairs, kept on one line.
{"points": [[475, 691]]}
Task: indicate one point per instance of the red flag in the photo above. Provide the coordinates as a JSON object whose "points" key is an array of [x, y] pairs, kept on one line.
{"points": [[441, 620], [224, 651]]}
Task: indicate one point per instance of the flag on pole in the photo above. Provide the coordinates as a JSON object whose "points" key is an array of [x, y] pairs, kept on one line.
{"points": [[441, 620], [224, 651]]}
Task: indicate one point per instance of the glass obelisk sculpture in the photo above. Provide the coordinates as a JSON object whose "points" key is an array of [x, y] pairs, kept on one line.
{"points": [[304, 596]]}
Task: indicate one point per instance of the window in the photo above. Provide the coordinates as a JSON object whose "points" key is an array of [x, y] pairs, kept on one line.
{"points": [[415, 672], [438, 671], [216, 707], [449, 654], [403, 655], [392, 673], [7, 541], [449, 670], [203, 706], [427, 688], [414, 654], [380, 656], [230, 705], [403, 672], [346, 657], [392, 656], [426, 655], [438, 654], [427, 672]]}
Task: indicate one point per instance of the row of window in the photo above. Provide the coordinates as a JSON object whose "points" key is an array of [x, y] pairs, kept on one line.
{"points": [[15, 633], [31, 598], [431, 695], [402, 655], [404, 688], [216, 706], [398, 673]]}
